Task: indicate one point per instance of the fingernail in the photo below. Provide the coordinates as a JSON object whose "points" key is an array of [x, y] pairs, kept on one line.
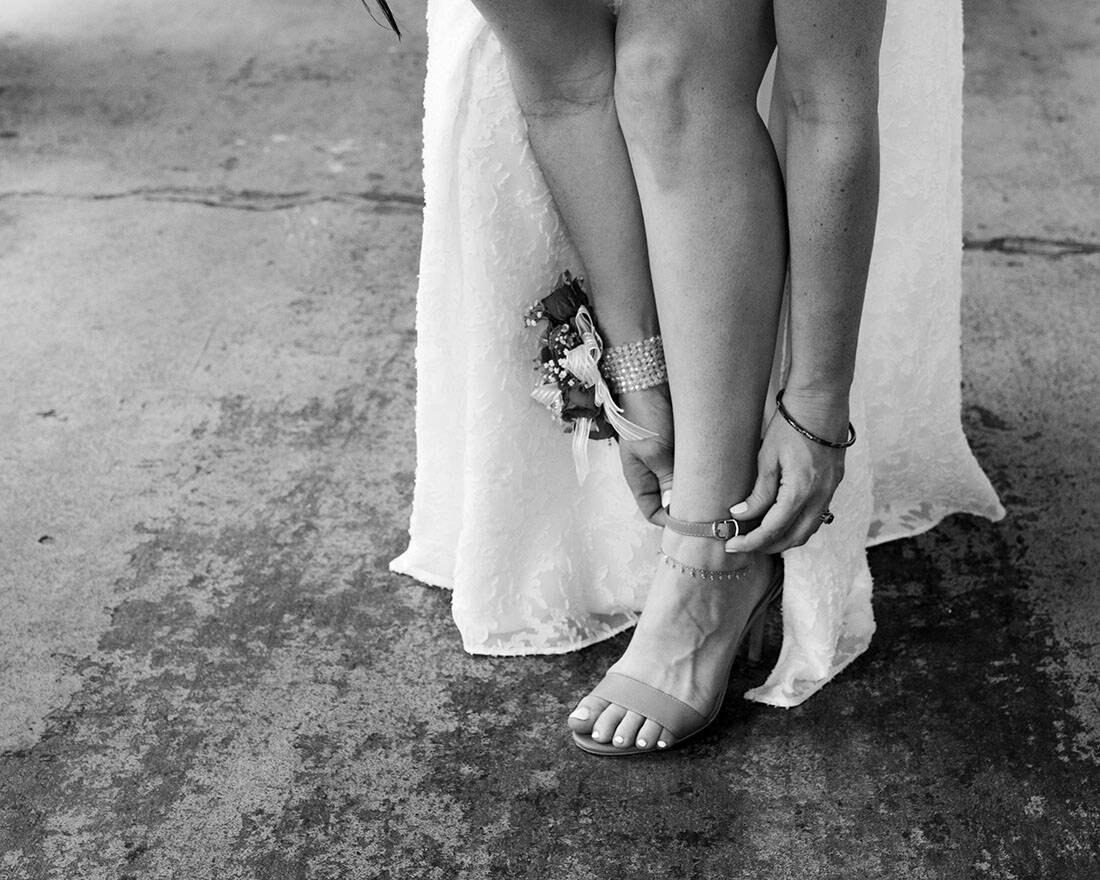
{"points": [[619, 740], [730, 549], [666, 498], [739, 508], [661, 744], [642, 744], [581, 713]]}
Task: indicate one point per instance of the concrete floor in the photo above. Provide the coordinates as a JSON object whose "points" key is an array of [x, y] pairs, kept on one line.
{"points": [[209, 223]]}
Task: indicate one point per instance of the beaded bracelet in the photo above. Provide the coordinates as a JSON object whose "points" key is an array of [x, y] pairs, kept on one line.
{"points": [[634, 366], [809, 435]]}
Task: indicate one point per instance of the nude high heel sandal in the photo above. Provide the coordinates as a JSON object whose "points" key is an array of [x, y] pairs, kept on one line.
{"points": [[676, 716]]}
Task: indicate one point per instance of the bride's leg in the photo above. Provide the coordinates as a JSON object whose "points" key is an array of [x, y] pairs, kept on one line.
{"points": [[713, 204], [561, 62]]}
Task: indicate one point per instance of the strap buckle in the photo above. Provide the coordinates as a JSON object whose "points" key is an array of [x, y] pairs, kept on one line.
{"points": [[724, 529]]}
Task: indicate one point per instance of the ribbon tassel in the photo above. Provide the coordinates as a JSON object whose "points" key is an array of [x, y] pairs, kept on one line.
{"points": [[581, 429], [583, 362]]}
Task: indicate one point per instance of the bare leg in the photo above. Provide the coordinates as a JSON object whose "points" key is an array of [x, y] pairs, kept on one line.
{"points": [[710, 190]]}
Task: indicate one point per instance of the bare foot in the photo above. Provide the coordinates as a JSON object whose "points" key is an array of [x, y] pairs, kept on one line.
{"points": [[684, 641]]}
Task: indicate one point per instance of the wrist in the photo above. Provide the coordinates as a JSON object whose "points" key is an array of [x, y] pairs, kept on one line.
{"points": [[622, 329], [823, 382], [824, 413], [817, 397], [634, 366], [651, 408]]}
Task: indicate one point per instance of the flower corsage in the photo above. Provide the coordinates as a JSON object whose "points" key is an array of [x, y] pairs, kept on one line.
{"points": [[570, 383]]}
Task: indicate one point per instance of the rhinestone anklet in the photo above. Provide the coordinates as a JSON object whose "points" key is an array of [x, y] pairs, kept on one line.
{"points": [[707, 574]]}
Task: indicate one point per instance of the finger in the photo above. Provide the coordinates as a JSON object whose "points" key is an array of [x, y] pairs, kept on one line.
{"points": [[645, 488], [804, 528], [660, 465], [777, 522], [762, 496], [666, 489], [797, 535], [660, 518], [664, 480]]}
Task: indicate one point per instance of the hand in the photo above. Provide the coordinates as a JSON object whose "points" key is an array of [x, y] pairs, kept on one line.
{"points": [[796, 477], [647, 464]]}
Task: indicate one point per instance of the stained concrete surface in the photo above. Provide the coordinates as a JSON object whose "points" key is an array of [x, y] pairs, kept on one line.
{"points": [[208, 237]]}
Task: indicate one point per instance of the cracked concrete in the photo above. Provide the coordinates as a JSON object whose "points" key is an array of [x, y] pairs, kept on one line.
{"points": [[1032, 246], [240, 200], [208, 247]]}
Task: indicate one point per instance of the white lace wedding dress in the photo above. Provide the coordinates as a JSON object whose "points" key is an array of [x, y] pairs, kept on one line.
{"points": [[539, 565]]}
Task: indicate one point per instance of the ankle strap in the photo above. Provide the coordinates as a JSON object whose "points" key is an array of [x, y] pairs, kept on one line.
{"points": [[721, 529]]}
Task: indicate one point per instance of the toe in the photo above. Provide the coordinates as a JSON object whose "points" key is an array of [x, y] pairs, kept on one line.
{"points": [[648, 735], [584, 716], [665, 740], [605, 725], [627, 731]]}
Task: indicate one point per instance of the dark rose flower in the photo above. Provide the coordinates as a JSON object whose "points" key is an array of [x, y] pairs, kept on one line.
{"points": [[580, 403], [561, 304], [601, 429]]}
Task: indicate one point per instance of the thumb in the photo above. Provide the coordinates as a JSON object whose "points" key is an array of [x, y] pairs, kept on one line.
{"points": [[760, 499]]}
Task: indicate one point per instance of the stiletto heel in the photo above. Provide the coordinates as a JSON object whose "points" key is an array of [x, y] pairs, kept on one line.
{"points": [[754, 648]]}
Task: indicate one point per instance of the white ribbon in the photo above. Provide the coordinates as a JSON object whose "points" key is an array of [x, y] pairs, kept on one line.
{"points": [[581, 429], [583, 362], [550, 397]]}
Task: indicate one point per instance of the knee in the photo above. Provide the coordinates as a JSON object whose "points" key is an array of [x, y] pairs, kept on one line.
{"points": [[650, 92], [665, 90]]}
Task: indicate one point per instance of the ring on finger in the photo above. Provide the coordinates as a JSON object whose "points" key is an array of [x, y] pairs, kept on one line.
{"points": [[826, 517]]}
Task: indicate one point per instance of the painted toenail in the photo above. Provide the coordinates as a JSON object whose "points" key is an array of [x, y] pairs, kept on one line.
{"points": [[642, 744], [581, 713], [661, 744], [596, 734], [619, 740]]}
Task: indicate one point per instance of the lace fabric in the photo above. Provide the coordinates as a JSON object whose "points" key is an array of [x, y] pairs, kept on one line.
{"points": [[539, 565]]}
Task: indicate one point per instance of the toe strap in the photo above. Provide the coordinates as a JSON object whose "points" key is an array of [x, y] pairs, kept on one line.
{"points": [[674, 715]]}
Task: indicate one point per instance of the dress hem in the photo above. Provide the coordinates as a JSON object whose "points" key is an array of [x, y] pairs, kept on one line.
{"points": [[399, 566], [547, 652], [996, 514]]}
